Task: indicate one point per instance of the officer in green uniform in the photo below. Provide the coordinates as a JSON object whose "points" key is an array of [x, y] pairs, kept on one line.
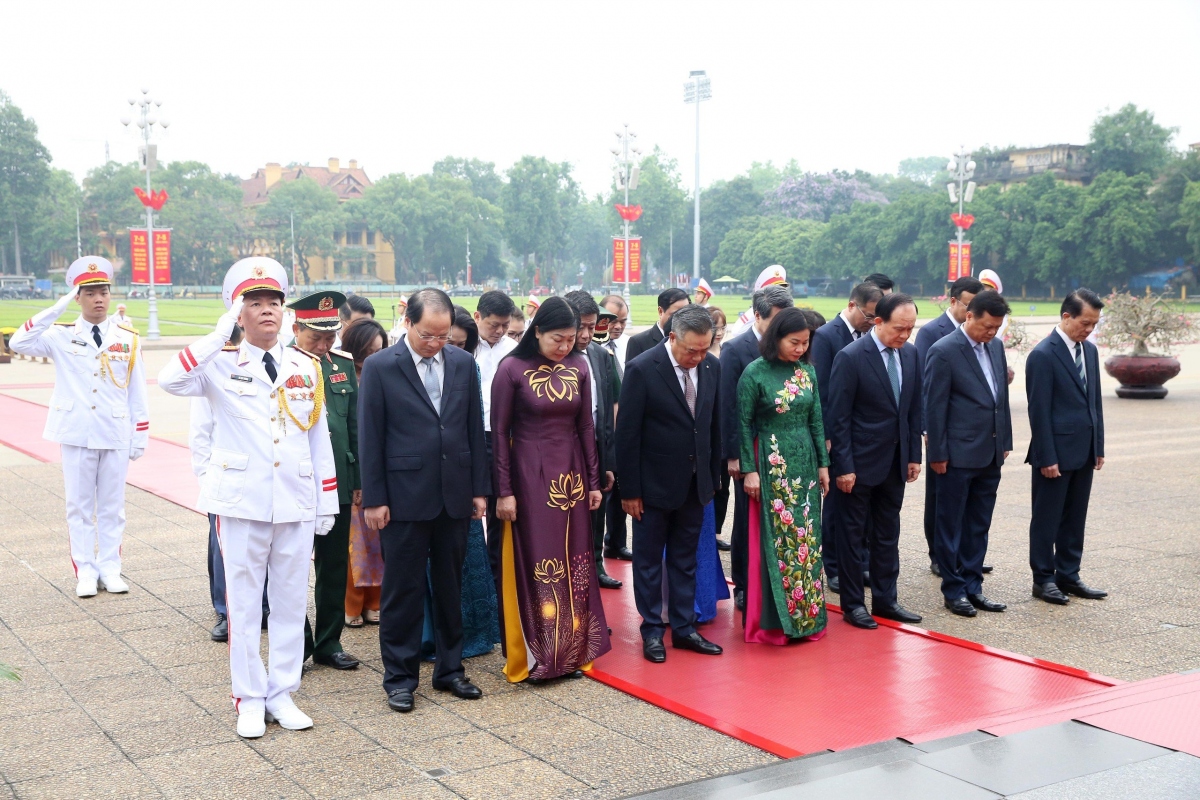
{"points": [[317, 324]]}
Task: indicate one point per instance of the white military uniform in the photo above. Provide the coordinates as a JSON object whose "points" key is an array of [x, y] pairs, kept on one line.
{"points": [[771, 276], [99, 418], [271, 483]]}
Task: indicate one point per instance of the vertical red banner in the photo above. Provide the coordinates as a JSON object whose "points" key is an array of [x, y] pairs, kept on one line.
{"points": [[965, 269], [139, 257], [618, 270], [635, 260], [952, 273]]}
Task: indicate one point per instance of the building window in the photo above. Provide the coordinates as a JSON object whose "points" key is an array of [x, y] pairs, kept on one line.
{"points": [[353, 237], [370, 238]]}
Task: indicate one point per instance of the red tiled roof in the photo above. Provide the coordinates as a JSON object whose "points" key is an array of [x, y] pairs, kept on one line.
{"points": [[347, 184]]}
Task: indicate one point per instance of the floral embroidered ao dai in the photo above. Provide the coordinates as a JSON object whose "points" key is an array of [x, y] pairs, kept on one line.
{"points": [[783, 439]]}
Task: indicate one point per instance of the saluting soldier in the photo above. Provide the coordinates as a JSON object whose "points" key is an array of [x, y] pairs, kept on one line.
{"points": [[97, 415], [318, 321], [270, 480]]}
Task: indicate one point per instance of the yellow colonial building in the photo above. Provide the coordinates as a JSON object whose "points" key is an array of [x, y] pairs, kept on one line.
{"points": [[1066, 162]]}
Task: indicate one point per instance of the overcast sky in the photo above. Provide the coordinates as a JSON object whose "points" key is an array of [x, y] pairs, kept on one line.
{"points": [[398, 85]]}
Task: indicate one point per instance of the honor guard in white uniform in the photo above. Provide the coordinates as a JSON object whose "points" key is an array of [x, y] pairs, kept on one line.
{"points": [[773, 275], [270, 480], [97, 415]]}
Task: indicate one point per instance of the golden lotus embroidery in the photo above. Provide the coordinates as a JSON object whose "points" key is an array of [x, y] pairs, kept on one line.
{"points": [[555, 383], [566, 491]]}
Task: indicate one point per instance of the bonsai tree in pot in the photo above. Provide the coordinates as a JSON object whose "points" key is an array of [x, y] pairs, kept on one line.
{"points": [[1135, 327]]}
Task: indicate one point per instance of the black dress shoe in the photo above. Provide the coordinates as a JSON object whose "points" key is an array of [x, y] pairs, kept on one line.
{"points": [[739, 600], [935, 569], [986, 568], [983, 604], [400, 700], [697, 644], [608, 581], [834, 585], [576, 675], [338, 660], [654, 651], [723, 545], [1050, 593], [619, 553], [859, 618], [896, 613], [1080, 589], [461, 688], [961, 606], [220, 631], [866, 578]]}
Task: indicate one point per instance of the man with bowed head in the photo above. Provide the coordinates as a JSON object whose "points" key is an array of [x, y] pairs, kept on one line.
{"points": [[669, 459], [874, 424], [425, 476], [271, 481]]}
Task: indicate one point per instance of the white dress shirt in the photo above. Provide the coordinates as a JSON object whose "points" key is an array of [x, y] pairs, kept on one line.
{"points": [[439, 368], [692, 373], [257, 353], [883, 354], [953, 321], [488, 357], [854, 334], [985, 361]]}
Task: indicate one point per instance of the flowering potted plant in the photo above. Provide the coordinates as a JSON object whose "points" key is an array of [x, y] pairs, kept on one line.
{"points": [[1133, 325]]}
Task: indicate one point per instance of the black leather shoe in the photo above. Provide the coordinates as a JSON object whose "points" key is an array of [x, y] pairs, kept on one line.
{"points": [[619, 553], [400, 700], [896, 613], [1050, 593], [608, 581], [697, 644], [461, 688], [1080, 589], [866, 578], [834, 585], [986, 568], [961, 606], [654, 651], [983, 604], [859, 618], [338, 660], [576, 675], [935, 569], [723, 545], [220, 631], [739, 600]]}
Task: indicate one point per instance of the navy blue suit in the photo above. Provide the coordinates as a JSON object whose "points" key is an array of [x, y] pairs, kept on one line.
{"points": [[827, 342], [875, 439], [671, 460], [736, 355], [970, 428], [1066, 420], [426, 467], [641, 342], [927, 334]]}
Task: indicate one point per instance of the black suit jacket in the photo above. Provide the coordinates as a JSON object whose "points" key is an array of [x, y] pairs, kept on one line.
{"points": [[603, 365], [413, 460], [1065, 420], [929, 333], [658, 441], [966, 425], [863, 422], [827, 342], [642, 342], [736, 355]]}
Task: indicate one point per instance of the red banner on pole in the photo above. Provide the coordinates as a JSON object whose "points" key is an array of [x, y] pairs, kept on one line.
{"points": [[966, 260], [618, 271], [952, 273], [635, 260], [139, 258]]}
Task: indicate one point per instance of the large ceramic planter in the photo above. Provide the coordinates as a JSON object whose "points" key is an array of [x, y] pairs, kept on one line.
{"points": [[1142, 377]]}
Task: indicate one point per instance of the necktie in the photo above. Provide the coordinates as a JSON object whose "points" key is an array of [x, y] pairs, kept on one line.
{"points": [[855, 335], [612, 348], [1079, 363], [96, 336], [431, 385], [269, 366], [893, 370], [689, 390]]}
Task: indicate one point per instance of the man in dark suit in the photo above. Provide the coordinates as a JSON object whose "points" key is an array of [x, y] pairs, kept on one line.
{"points": [[669, 301], [616, 533], [854, 321], [424, 478], [669, 457], [1066, 420], [874, 424], [736, 355], [606, 387], [969, 437], [962, 291]]}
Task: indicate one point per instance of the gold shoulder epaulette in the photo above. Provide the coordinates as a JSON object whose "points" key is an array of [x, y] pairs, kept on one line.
{"points": [[67, 324], [124, 327], [341, 353], [230, 348], [302, 350]]}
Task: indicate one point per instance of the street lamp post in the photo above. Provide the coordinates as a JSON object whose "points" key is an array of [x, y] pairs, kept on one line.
{"points": [[961, 169], [697, 90], [626, 153], [146, 120]]}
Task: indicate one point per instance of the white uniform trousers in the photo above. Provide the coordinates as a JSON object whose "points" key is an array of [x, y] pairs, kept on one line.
{"points": [[249, 550], [95, 485]]}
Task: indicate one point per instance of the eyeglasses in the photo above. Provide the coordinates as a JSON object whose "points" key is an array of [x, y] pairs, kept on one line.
{"points": [[429, 337]]}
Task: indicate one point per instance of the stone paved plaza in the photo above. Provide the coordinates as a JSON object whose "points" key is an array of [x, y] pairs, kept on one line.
{"points": [[126, 696]]}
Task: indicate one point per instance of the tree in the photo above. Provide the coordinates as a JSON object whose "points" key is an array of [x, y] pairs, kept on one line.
{"points": [[111, 207], [481, 175], [534, 199], [721, 206], [819, 197], [788, 244], [24, 173], [51, 229], [589, 232], [208, 221], [1189, 217], [928, 170], [1116, 229], [1168, 195], [731, 255], [664, 206], [767, 177], [317, 215], [1129, 141]]}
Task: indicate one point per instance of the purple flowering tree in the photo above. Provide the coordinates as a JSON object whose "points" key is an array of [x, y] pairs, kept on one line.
{"points": [[819, 197]]}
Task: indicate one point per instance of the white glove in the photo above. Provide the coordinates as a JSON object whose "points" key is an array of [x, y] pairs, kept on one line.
{"points": [[61, 305], [136, 452], [228, 320], [325, 523]]}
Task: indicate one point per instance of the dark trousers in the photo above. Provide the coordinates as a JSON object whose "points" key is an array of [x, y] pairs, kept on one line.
{"points": [[878, 506], [1056, 528], [930, 510], [617, 536], [677, 530], [406, 547], [331, 556], [829, 532], [598, 530], [739, 537], [216, 573], [966, 499], [492, 524], [721, 501]]}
